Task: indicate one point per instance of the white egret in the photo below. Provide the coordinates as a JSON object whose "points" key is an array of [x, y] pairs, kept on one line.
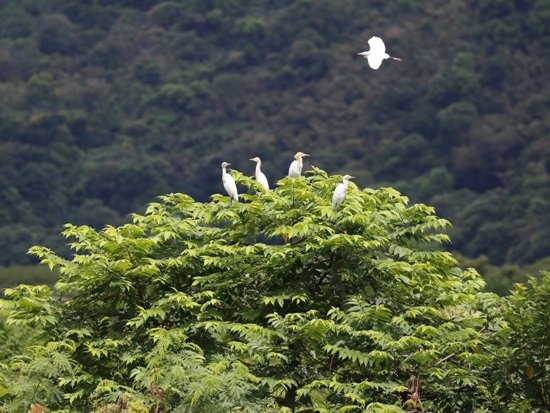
{"points": [[297, 165], [229, 183], [260, 176], [377, 53], [340, 191]]}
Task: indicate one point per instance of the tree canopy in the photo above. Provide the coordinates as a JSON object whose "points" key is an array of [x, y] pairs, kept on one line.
{"points": [[277, 302]]}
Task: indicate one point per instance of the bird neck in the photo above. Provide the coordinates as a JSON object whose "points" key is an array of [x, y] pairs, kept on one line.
{"points": [[258, 165]]}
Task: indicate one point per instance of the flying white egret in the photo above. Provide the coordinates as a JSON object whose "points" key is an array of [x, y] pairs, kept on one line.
{"points": [[297, 165], [377, 53], [340, 191], [229, 183], [260, 176]]}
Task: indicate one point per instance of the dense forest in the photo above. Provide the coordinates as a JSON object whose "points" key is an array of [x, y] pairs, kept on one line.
{"points": [[106, 105]]}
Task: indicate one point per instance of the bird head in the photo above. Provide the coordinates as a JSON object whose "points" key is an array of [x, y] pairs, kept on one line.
{"points": [[348, 177], [256, 159], [300, 155], [225, 164]]}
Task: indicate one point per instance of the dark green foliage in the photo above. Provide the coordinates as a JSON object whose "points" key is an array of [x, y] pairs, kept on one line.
{"points": [[455, 82], [14, 22], [524, 216], [14, 240], [55, 35], [116, 102], [148, 71], [277, 303], [501, 279]]}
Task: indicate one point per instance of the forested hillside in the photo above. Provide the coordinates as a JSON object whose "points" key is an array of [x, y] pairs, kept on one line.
{"points": [[105, 105]]}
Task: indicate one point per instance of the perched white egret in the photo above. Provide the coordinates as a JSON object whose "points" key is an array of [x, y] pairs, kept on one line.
{"points": [[297, 165], [229, 183], [377, 53], [260, 176], [340, 191]]}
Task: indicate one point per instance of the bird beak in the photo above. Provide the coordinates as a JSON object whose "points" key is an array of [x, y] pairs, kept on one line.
{"points": [[305, 154], [251, 159], [228, 164], [352, 177]]}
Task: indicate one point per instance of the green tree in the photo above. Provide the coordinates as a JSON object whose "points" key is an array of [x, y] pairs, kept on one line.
{"points": [[274, 303]]}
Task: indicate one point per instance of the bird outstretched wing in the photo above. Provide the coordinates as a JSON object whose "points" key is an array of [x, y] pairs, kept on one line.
{"points": [[377, 45], [374, 61]]}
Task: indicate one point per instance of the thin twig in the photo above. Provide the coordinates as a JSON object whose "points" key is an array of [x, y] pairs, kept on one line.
{"points": [[444, 358]]}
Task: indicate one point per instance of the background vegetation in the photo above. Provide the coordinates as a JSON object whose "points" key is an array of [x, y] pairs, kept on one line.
{"points": [[105, 105]]}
